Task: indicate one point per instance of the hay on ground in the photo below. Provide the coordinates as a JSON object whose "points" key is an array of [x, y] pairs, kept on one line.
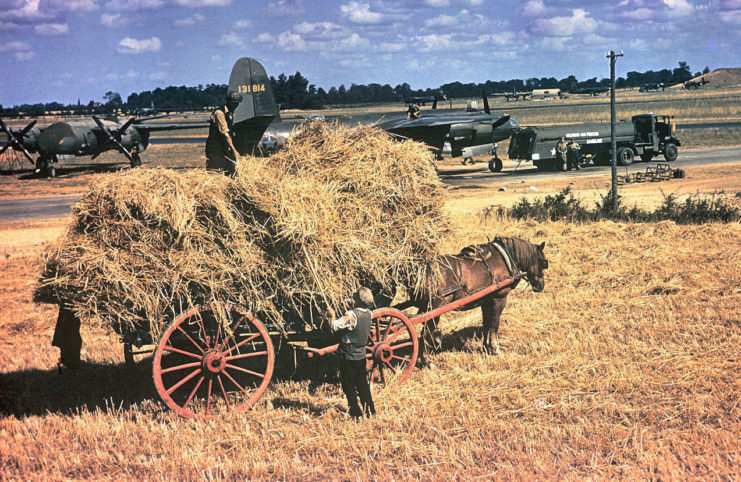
{"points": [[286, 237]]}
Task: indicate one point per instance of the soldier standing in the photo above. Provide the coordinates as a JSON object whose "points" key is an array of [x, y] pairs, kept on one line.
{"points": [[561, 152], [354, 327], [573, 155], [220, 151]]}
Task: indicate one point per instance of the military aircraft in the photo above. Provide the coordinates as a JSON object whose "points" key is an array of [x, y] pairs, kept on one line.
{"points": [[653, 86], [695, 84], [460, 130], [590, 90], [91, 137], [514, 95]]}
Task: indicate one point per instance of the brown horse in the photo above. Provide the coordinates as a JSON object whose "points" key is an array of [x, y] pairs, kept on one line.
{"points": [[475, 268]]}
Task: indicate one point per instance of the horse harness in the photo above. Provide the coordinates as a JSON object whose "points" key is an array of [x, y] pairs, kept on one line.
{"points": [[474, 252]]}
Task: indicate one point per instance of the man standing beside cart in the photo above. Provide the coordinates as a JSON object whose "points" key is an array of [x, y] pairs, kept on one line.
{"points": [[354, 327]]}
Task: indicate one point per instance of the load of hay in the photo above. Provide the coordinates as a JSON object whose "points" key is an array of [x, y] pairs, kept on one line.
{"points": [[286, 236]]}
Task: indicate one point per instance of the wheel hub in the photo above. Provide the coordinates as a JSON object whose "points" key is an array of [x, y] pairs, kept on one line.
{"points": [[383, 352], [214, 361]]}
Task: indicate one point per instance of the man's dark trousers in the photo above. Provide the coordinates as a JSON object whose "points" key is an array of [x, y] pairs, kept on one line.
{"points": [[354, 379]]}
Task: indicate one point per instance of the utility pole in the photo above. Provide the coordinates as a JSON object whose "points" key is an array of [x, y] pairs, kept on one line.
{"points": [[613, 147]]}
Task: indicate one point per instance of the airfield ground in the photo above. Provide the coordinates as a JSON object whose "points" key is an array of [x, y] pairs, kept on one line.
{"points": [[626, 366]]}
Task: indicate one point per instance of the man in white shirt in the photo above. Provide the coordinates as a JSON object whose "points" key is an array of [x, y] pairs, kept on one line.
{"points": [[354, 327]]}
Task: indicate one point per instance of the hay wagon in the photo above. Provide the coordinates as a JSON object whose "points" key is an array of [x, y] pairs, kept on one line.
{"points": [[203, 368]]}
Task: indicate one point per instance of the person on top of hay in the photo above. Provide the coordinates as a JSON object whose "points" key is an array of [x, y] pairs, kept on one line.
{"points": [[220, 151], [354, 327]]}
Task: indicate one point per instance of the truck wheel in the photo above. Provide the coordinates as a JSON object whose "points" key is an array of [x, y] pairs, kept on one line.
{"points": [[671, 152], [647, 157], [495, 164], [625, 156]]}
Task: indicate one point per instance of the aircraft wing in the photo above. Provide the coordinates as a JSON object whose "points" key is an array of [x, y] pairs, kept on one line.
{"points": [[170, 127]]}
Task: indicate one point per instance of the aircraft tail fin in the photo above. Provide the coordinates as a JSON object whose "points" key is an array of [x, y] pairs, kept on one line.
{"points": [[486, 102], [257, 109], [249, 79]]}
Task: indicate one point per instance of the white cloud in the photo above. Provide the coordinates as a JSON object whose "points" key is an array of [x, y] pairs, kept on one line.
{"points": [[58, 6], [24, 56], [135, 5], [203, 3], [679, 7], [230, 39], [534, 8], [115, 20], [14, 47], [440, 21], [435, 41], [188, 21], [52, 29], [578, 23], [438, 3], [135, 46], [27, 11], [291, 42], [464, 20], [638, 14], [360, 13], [320, 30], [734, 16], [265, 37], [242, 24]]}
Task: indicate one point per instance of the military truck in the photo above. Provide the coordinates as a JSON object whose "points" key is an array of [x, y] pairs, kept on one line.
{"points": [[646, 136]]}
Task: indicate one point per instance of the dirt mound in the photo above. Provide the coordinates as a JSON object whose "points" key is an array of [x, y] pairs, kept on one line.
{"points": [[717, 78], [286, 237]]}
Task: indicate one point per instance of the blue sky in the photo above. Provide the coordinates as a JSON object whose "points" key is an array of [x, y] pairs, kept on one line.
{"points": [[62, 50]]}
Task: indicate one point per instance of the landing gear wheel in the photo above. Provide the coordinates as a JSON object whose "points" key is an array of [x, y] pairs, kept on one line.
{"points": [[495, 164], [392, 347], [205, 368], [136, 161], [51, 171], [625, 156]]}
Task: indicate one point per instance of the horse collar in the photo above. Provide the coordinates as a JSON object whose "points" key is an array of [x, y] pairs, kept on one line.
{"points": [[509, 260]]}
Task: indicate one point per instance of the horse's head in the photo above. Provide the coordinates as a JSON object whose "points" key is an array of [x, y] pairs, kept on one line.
{"points": [[535, 269]]}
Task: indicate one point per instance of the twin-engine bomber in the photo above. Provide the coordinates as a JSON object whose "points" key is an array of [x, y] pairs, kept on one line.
{"points": [[646, 136]]}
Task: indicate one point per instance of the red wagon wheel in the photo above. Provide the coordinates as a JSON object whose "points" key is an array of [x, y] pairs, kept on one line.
{"points": [[204, 368], [392, 347]]}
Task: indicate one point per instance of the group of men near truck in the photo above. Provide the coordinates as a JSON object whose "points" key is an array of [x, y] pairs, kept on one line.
{"points": [[569, 154]]}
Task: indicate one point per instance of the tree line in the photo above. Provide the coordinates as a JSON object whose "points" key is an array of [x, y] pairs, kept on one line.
{"points": [[295, 91]]}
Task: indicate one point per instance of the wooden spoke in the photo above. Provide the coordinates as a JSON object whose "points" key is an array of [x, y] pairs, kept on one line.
{"points": [[180, 329], [184, 380]]}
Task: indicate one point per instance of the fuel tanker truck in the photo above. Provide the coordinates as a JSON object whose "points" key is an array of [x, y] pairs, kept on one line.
{"points": [[645, 136]]}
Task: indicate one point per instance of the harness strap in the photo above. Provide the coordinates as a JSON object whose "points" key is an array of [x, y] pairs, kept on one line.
{"points": [[509, 260]]}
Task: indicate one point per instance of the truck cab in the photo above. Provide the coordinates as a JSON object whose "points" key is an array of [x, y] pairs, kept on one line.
{"points": [[654, 135]]}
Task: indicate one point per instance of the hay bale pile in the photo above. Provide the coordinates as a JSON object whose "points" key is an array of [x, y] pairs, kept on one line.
{"points": [[301, 229]]}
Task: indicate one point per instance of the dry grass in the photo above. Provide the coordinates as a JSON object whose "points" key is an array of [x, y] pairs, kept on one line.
{"points": [[626, 366]]}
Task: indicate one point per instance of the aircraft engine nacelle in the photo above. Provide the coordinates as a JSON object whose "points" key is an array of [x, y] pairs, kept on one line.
{"points": [[63, 138], [469, 134]]}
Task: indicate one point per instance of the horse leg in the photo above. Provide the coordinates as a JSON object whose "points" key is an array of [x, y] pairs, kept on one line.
{"points": [[491, 312]]}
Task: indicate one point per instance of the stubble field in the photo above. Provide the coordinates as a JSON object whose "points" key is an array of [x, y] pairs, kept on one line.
{"points": [[626, 366]]}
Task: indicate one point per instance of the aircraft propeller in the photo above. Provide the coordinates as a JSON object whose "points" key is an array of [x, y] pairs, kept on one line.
{"points": [[115, 138], [16, 139]]}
